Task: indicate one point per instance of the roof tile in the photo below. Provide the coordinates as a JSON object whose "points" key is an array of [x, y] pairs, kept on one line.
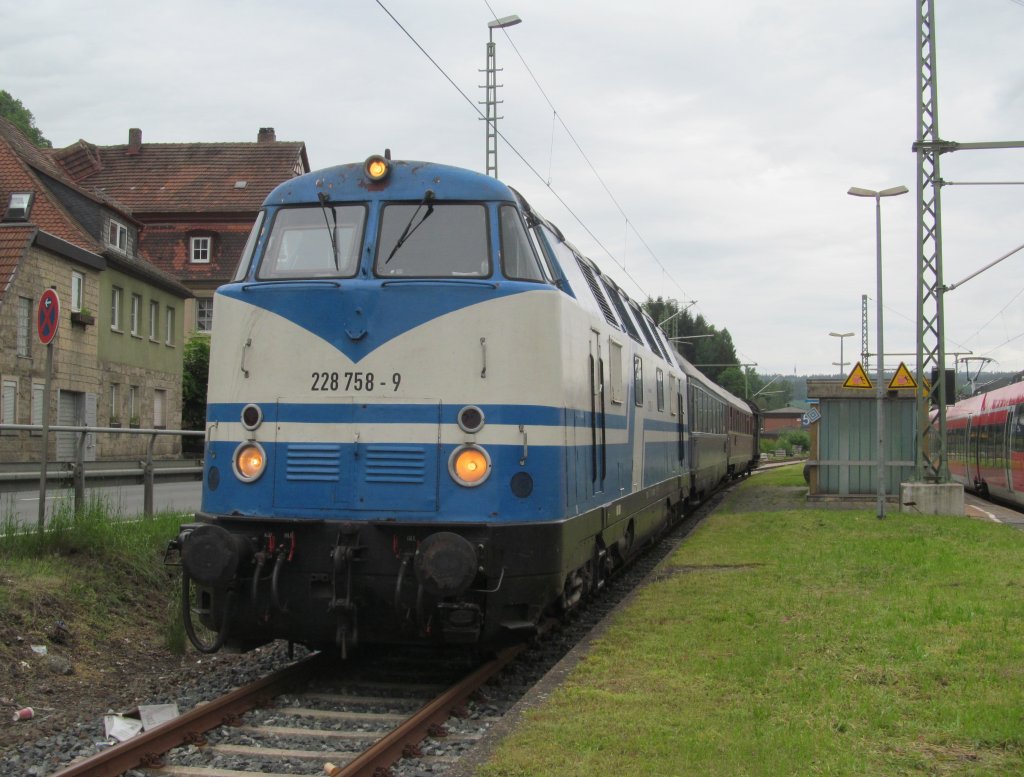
{"points": [[185, 177]]}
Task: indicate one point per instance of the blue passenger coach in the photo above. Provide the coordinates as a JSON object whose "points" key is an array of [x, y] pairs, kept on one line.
{"points": [[430, 419]]}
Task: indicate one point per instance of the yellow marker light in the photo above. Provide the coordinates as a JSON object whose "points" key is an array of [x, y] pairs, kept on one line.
{"points": [[469, 465], [250, 460], [377, 168]]}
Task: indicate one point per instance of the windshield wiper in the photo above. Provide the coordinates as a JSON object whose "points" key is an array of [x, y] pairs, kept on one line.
{"points": [[330, 232], [428, 200]]}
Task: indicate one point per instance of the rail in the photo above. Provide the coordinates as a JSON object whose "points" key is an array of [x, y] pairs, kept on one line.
{"points": [[146, 469]]}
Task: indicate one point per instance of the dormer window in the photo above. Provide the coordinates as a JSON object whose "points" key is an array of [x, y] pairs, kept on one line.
{"points": [[117, 236], [19, 206], [199, 251]]}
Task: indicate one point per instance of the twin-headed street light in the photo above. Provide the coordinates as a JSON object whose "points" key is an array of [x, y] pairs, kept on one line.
{"points": [[842, 337], [856, 191]]}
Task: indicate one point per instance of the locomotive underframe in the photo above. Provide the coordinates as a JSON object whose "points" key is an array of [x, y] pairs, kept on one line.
{"points": [[335, 584]]}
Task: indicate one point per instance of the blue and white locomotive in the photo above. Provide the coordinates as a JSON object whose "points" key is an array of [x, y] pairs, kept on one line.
{"points": [[431, 419]]}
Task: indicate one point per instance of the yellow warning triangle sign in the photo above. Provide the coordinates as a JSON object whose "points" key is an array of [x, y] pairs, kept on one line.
{"points": [[902, 378], [857, 378]]}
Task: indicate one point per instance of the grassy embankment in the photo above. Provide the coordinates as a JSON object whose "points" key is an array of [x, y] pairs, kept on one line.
{"points": [[801, 642], [97, 573]]}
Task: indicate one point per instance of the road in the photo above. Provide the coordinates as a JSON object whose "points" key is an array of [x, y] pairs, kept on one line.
{"points": [[126, 501]]}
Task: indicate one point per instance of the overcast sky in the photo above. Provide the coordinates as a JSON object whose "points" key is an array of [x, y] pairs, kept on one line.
{"points": [[727, 133]]}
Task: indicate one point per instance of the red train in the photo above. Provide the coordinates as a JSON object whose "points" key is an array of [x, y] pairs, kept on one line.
{"points": [[985, 443]]}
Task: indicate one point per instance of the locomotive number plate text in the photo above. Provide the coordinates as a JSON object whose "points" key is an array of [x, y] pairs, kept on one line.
{"points": [[355, 381]]}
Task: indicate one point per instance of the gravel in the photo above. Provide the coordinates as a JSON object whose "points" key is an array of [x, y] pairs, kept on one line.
{"points": [[201, 680]]}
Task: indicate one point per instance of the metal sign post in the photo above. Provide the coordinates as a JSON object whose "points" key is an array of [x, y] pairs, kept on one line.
{"points": [[47, 322]]}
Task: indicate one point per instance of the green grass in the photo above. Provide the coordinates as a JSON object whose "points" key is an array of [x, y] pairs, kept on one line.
{"points": [[94, 568], [802, 642]]}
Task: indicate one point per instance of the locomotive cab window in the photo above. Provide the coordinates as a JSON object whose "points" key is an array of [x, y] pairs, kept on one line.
{"points": [[518, 260], [250, 245], [314, 243], [436, 240]]}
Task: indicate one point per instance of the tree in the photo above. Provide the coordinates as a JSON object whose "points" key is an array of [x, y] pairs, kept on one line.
{"points": [[194, 378], [22, 118], [700, 343]]}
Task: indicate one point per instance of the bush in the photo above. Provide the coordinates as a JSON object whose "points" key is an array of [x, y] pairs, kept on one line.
{"points": [[787, 441]]}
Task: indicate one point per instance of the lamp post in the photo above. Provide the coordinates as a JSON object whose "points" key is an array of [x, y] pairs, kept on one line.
{"points": [[842, 336], [491, 92], [880, 367]]}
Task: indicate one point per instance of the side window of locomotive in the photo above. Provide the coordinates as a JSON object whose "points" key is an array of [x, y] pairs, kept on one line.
{"points": [[566, 266], [442, 240], [250, 245], [547, 254], [300, 244], [615, 370], [518, 260]]}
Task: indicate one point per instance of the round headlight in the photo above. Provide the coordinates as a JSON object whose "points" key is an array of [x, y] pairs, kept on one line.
{"points": [[377, 168], [471, 419], [469, 465], [249, 462], [252, 417]]}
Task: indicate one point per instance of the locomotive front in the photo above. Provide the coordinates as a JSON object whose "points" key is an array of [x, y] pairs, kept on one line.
{"points": [[384, 430]]}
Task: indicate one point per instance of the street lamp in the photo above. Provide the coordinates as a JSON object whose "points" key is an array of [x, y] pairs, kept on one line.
{"points": [[856, 191], [491, 92], [842, 336]]}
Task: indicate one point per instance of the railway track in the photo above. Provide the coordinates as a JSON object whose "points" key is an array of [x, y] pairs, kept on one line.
{"points": [[360, 717]]}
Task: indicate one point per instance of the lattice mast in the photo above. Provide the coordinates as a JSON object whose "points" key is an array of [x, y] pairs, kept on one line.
{"points": [[865, 355], [491, 110], [931, 465]]}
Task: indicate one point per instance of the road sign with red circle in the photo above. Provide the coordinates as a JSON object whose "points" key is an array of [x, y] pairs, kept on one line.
{"points": [[48, 316]]}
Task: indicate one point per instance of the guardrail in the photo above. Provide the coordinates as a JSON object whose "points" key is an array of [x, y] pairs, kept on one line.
{"points": [[146, 469]]}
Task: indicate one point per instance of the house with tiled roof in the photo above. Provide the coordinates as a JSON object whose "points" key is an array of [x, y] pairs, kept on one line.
{"points": [[783, 419], [197, 201], [117, 355]]}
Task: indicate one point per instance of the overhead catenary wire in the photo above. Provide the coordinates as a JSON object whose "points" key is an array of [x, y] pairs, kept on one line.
{"points": [[545, 181], [556, 116], [515, 151]]}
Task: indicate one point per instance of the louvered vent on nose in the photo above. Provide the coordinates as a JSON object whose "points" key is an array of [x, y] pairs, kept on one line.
{"points": [[313, 462], [390, 464]]}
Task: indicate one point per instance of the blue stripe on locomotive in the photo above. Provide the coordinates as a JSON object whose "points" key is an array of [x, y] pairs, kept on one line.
{"points": [[394, 306], [345, 487]]}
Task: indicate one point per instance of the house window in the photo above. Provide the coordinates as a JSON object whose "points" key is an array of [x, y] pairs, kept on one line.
{"points": [[200, 250], [117, 236], [133, 409], [159, 408], [154, 320], [9, 406], [77, 291], [37, 405], [204, 314], [115, 408], [169, 326], [24, 343], [136, 313], [115, 308]]}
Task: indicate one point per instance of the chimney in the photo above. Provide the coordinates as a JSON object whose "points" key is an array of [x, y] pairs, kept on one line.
{"points": [[267, 135], [134, 141]]}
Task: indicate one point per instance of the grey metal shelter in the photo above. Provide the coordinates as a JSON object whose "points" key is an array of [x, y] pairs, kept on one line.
{"points": [[843, 461]]}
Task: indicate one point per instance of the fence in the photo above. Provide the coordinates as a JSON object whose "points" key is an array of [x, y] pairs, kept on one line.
{"points": [[146, 470]]}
